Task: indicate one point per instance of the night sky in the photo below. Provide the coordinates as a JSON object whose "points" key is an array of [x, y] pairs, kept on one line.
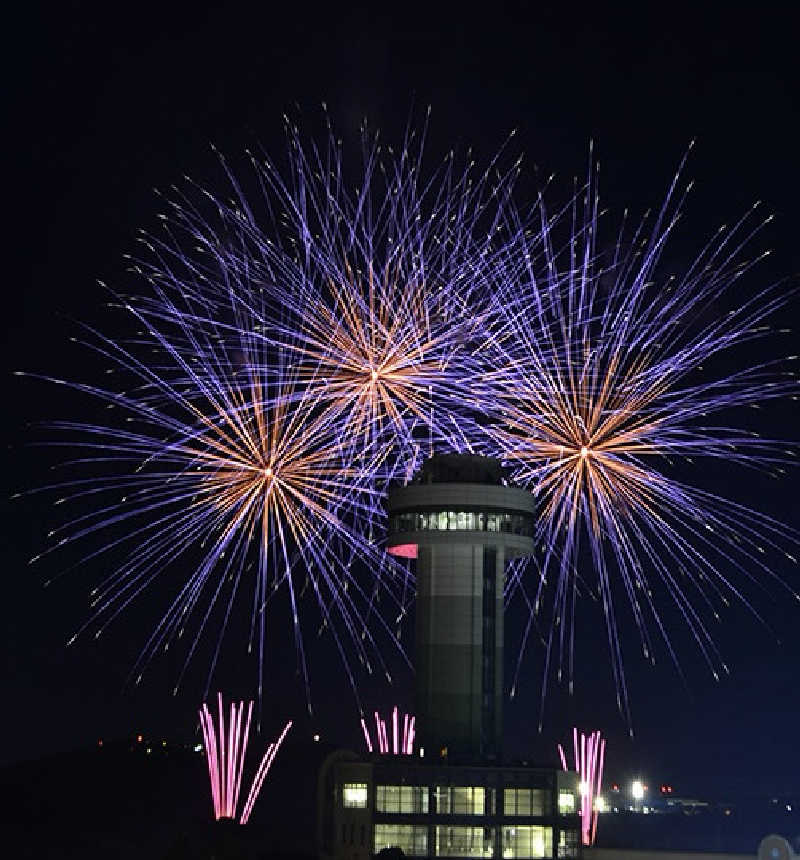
{"points": [[108, 105]]}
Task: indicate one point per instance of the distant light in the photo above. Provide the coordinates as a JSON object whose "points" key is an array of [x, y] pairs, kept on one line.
{"points": [[100, 742], [637, 790], [268, 472], [163, 743], [198, 748], [600, 804], [788, 805], [645, 809], [583, 788], [374, 375], [584, 451], [139, 738], [316, 739], [422, 752]]}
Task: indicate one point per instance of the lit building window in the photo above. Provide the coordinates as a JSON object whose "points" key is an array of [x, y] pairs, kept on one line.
{"points": [[568, 843], [521, 524], [412, 839], [354, 794], [526, 801], [566, 802], [464, 841], [527, 841], [460, 800], [401, 798]]}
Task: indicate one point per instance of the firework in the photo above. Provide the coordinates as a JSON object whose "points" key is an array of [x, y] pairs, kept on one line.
{"points": [[588, 757], [297, 347], [220, 456], [402, 742], [307, 337], [602, 378], [369, 279], [261, 773], [225, 751]]}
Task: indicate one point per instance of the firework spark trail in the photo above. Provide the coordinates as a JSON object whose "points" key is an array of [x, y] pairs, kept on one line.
{"points": [[401, 744], [261, 773], [225, 748], [599, 379], [225, 754], [589, 756]]}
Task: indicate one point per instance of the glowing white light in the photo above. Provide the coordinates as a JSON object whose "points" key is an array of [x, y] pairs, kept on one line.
{"points": [[583, 788], [584, 452], [637, 790], [268, 472], [600, 804]]}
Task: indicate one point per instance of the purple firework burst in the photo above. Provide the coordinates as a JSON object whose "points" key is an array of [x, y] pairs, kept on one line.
{"points": [[602, 379], [294, 351]]}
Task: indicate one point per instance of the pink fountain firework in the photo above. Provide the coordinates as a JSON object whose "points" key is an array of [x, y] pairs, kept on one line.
{"points": [[589, 755], [401, 744], [225, 750]]}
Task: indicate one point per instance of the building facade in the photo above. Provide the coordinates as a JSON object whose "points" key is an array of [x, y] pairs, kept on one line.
{"points": [[513, 812]]}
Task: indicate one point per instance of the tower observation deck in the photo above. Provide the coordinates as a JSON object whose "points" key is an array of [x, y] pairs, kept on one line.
{"points": [[461, 521]]}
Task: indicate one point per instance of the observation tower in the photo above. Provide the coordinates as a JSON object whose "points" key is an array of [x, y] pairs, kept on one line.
{"points": [[462, 521]]}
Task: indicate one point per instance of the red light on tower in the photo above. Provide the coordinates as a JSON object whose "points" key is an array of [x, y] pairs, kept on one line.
{"points": [[403, 550]]}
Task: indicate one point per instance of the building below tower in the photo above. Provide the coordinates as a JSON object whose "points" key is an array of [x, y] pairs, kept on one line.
{"points": [[441, 810]]}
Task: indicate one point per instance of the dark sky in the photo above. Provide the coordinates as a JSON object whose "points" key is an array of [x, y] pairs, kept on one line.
{"points": [[106, 104]]}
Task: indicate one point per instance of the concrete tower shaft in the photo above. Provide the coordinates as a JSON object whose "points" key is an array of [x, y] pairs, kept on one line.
{"points": [[462, 524]]}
